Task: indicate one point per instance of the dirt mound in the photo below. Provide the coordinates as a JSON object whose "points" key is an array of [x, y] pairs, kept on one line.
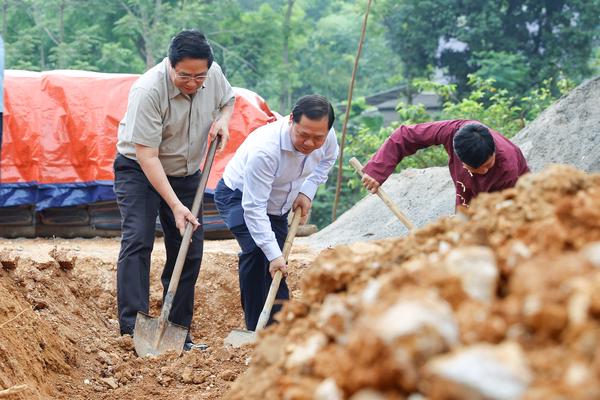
{"points": [[568, 132], [59, 334], [370, 219], [500, 303]]}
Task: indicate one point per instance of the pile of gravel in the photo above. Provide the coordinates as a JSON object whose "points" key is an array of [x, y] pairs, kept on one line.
{"points": [[423, 195], [568, 132]]}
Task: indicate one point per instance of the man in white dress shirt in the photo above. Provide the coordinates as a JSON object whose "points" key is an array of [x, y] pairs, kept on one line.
{"points": [[278, 168]]}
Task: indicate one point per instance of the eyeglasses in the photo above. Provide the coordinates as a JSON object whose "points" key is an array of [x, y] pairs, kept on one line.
{"points": [[187, 78]]}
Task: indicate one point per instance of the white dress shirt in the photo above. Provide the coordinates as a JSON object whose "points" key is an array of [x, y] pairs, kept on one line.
{"points": [[270, 173]]}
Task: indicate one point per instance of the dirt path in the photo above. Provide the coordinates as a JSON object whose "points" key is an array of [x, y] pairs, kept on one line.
{"points": [[59, 333]]}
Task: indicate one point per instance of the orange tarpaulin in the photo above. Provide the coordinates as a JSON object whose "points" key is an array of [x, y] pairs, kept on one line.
{"points": [[60, 132]]}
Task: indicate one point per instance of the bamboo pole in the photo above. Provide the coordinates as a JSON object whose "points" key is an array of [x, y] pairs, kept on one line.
{"points": [[348, 106]]}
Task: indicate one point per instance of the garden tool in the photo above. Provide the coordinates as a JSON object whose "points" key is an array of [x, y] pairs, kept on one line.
{"points": [[383, 196], [154, 336], [240, 337]]}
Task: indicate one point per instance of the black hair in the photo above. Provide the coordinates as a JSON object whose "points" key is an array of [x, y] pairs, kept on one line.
{"points": [[474, 145], [190, 44], [315, 107]]}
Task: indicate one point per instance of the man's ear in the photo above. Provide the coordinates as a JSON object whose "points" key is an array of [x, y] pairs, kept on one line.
{"points": [[291, 118]]}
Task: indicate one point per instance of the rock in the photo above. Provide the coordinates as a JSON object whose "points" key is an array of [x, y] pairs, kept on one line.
{"points": [[105, 358], [9, 259], [222, 354], [579, 302], [64, 257], [592, 253], [271, 349], [187, 376], [228, 375], [518, 252], [577, 374], [409, 315], [480, 371], [303, 353], [476, 267], [334, 317], [367, 394], [328, 390], [126, 342], [111, 382], [201, 377]]}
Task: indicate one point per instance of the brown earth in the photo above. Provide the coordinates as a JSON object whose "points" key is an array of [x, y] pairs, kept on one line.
{"points": [[59, 334], [501, 302]]}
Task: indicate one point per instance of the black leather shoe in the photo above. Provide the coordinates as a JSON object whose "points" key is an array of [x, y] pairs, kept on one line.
{"points": [[188, 346], [126, 331]]}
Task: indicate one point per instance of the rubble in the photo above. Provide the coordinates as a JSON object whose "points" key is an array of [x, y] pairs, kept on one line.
{"points": [[499, 303]]}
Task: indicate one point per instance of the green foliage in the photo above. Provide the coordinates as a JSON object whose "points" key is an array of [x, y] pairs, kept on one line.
{"points": [[257, 47], [518, 43], [486, 103], [508, 70]]}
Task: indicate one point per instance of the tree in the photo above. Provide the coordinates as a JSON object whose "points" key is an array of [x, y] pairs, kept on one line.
{"points": [[414, 30], [551, 37]]}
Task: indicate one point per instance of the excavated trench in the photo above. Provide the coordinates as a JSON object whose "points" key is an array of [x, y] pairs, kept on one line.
{"points": [[59, 335]]}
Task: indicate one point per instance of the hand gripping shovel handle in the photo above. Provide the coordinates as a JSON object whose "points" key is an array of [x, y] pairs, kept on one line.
{"points": [[187, 235], [384, 197], [287, 247]]}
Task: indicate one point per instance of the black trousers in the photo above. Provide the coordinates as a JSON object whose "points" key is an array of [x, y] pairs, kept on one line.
{"points": [[139, 205], [254, 275]]}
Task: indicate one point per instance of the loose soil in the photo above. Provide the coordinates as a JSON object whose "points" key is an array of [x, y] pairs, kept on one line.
{"points": [[501, 302], [59, 334]]}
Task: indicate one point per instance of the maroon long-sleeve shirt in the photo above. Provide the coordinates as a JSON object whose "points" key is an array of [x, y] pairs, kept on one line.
{"points": [[406, 140]]}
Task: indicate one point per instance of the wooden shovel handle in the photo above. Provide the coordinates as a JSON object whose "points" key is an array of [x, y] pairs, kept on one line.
{"points": [[187, 235], [384, 197], [287, 247]]}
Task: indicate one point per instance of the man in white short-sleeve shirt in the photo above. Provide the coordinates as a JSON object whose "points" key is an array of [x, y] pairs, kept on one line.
{"points": [[277, 169], [172, 110]]}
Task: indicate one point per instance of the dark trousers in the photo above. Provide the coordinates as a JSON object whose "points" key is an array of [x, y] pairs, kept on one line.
{"points": [[139, 205], [254, 275]]}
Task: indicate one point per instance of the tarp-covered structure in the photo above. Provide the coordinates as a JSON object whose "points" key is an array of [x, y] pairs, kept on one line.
{"points": [[60, 132]]}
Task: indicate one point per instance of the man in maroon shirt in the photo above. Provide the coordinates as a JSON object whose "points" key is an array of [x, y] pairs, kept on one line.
{"points": [[480, 159]]}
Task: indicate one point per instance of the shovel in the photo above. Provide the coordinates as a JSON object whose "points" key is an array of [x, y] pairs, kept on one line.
{"points": [[154, 336], [240, 337], [383, 196]]}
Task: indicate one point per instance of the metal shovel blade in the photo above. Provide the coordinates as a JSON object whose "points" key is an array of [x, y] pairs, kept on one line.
{"points": [[240, 337], [149, 341]]}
